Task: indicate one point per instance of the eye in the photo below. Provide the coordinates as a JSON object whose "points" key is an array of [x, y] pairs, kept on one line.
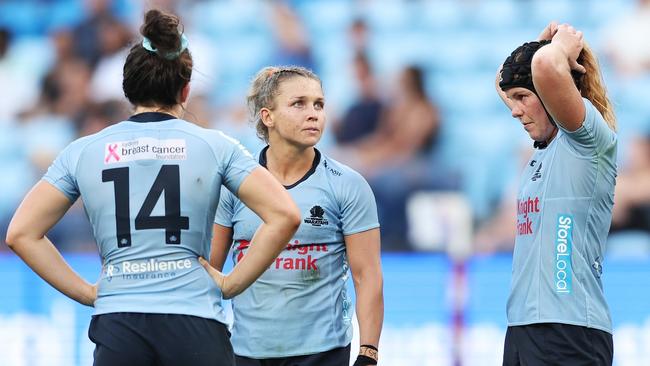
{"points": [[297, 103], [319, 105]]}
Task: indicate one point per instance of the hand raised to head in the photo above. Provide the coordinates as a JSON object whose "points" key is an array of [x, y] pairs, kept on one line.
{"points": [[571, 42]]}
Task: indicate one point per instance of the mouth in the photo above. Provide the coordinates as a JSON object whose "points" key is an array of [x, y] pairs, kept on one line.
{"points": [[312, 130]]}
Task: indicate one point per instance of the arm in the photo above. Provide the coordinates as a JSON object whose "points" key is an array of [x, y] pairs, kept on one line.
{"points": [[551, 70], [221, 240], [363, 252], [41, 209], [280, 219]]}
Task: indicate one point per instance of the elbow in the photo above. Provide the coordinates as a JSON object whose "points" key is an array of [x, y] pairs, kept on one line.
{"points": [[548, 63], [369, 277], [13, 238], [292, 216]]}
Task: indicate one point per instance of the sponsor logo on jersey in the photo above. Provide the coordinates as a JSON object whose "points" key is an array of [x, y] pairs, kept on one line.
{"points": [[145, 148], [142, 270], [525, 208], [316, 217], [598, 267], [296, 256], [563, 246], [538, 173], [332, 170]]}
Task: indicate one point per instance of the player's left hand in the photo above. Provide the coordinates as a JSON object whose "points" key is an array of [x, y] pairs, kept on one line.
{"points": [[218, 277], [571, 42]]}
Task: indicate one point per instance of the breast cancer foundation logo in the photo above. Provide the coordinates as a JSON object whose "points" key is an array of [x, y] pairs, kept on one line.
{"points": [[111, 154], [145, 148]]}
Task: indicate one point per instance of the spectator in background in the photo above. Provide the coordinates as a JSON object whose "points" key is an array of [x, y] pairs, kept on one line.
{"points": [[113, 38], [358, 34], [399, 156], [632, 198], [408, 129], [292, 39], [49, 123], [88, 33], [554, 88], [362, 117], [626, 41]]}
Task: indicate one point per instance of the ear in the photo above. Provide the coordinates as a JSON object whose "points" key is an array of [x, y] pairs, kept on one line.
{"points": [[266, 115], [185, 93]]}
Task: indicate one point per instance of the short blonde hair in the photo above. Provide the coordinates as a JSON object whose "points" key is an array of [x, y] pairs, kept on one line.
{"points": [[264, 89]]}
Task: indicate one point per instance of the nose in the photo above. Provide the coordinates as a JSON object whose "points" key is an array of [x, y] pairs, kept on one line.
{"points": [[313, 114], [517, 112]]}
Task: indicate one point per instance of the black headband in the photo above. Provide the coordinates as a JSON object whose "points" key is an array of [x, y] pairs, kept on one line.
{"points": [[516, 71]]}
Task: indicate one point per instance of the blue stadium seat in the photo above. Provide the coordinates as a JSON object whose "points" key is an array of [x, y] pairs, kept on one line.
{"points": [[227, 18], [442, 15]]}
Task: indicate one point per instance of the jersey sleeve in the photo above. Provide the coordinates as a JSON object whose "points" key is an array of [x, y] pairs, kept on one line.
{"points": [[358, 206], [594, 134], [239, 164], [225, 210], [61, 174]]}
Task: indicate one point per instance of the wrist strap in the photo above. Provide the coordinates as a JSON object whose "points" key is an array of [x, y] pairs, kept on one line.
{"points": [[369, 351]]}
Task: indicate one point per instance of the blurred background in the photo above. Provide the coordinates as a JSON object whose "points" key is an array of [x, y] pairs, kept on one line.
{"points": [[410, 97]]}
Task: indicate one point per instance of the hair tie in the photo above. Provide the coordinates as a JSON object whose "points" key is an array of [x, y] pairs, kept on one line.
{"points": [[146, 44]]}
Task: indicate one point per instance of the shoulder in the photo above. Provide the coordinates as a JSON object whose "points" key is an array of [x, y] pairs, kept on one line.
{"points": [[219, 140], [340, 174], [79, 145]]}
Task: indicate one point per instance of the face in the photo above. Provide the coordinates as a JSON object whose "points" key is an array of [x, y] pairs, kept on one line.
{"points": [[528, 109], [298, 115]]}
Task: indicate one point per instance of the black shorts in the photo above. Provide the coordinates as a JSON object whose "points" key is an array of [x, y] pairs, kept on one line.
{"points": [[557, 344], [334, 357], [138, 339]]}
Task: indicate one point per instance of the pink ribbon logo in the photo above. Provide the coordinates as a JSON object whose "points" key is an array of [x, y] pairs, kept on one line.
{"points": [[112, 153]]}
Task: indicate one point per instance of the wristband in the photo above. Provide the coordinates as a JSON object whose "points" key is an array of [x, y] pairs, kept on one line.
{"points": [[368, 355]]}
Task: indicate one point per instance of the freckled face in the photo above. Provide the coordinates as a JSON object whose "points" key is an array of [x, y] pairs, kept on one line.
{"points": [[298, 115]]}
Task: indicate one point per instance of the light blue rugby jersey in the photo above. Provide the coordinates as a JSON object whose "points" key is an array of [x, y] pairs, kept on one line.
{"points": [[564, 210], [150, 191], [299, 306]]}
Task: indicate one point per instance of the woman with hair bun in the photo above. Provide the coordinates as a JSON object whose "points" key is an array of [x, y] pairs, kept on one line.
{"points": [[150, 186], [557, 313]]}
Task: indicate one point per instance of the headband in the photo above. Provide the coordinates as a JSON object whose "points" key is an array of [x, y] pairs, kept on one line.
{"points": [[146, 43]]}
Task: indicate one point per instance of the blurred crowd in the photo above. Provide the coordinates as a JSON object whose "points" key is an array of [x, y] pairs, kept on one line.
{"points": [[408, 84]]}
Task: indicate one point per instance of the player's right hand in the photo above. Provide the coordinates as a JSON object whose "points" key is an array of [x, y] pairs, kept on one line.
{"points": [[217, 276]]}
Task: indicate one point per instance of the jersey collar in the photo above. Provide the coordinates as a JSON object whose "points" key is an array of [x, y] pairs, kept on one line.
{"points": [[314, 165], [150, 117]]}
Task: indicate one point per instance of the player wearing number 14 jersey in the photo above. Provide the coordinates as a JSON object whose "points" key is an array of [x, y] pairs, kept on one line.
{"points": [[150, 187]]}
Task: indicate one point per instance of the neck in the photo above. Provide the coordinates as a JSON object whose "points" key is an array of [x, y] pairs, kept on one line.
{"points": [[289, 164], [176, 110], [553, 134], [545, 143]]}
